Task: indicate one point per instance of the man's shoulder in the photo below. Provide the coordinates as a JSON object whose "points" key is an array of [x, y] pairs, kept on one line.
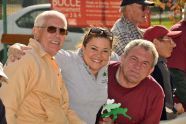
{"points": [[30, 55], [119, 25], [151, 83], [178, 26], [118, 21], [27, 58], [151, 80], [152, 88], [114, 64]]}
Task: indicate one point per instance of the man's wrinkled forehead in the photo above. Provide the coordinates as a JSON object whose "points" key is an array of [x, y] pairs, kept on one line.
{"points": [[50, 22]]}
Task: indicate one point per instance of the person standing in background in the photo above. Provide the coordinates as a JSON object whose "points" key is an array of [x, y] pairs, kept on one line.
{"points": [[126, 28], [177, 61], [162, 39]]}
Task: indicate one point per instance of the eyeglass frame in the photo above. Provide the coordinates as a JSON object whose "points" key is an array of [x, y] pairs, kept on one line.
{"points": [[64, 32], [166, 39]]}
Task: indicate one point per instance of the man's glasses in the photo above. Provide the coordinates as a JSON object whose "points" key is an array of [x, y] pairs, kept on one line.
{"points": [[101, 32], [167, 39], [53, 29]]}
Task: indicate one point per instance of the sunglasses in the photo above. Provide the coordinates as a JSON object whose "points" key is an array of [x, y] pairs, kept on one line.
{"points": [[101, 32], [167, 40], [53, 29]]}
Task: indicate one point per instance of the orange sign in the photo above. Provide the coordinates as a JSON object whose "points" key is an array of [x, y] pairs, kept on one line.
{"points": [[85, 13]]}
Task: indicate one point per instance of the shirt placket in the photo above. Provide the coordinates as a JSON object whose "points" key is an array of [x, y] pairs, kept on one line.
{"points": [[59, 79]]}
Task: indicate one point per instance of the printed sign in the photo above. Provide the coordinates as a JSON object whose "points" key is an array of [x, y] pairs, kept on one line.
{"points": [[85, 13]]}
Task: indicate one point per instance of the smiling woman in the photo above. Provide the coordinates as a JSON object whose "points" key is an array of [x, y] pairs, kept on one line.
{"points": [[85, 73]]}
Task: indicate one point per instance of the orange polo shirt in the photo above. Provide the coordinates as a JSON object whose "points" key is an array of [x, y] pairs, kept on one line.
{"points": [[35, 92]]}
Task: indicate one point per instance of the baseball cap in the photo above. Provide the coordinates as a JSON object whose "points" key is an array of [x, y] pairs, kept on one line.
{"points": [[2, 72], [143, 2], [159, 31]]}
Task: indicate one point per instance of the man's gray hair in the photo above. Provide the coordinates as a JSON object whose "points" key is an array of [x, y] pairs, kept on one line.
{"points": [[41, 18], [147, 45]]}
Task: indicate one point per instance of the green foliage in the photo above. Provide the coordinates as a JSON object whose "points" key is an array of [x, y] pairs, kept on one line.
{"points": [[166, 22], [164, 17]]}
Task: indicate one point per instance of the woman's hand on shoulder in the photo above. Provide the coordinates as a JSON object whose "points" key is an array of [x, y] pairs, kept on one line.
{"points": [[16, 51]]}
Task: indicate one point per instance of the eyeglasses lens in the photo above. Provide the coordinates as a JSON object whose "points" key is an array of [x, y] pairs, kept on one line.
{"points": [[52, 29]]}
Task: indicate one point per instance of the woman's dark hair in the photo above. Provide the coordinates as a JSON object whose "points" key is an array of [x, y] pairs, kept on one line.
{"points": [[98, 32]]}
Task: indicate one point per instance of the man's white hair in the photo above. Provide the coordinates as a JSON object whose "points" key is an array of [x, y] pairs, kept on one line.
{"points": [[41, 18]]}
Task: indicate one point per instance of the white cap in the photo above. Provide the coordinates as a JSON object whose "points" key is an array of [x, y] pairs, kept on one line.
{"points": [[2, 72]]}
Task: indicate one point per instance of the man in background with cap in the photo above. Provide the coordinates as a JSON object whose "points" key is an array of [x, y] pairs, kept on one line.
{"points": [[3, 78], [162, 39], [177, 61], [126, 28]]}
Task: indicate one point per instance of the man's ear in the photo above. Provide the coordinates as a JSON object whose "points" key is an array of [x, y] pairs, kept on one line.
{"points": [[35, 32], [122, 57], [155, 41]]}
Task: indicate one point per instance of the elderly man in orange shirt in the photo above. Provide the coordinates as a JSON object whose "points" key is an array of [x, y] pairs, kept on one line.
{"points": [[35, 92]]}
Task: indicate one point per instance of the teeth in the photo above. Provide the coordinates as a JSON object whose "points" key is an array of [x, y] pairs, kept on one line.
{"points": [[96, 61], [55, 42]]}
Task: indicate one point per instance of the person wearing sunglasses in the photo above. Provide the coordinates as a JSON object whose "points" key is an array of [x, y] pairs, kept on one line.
{"points": [[35, 92], [162, 39], [126, 28], [84, 71]]}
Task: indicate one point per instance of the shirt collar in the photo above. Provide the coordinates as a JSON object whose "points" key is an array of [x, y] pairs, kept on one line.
{"points": [[161, 59], [125, 20], [37, 46]]}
